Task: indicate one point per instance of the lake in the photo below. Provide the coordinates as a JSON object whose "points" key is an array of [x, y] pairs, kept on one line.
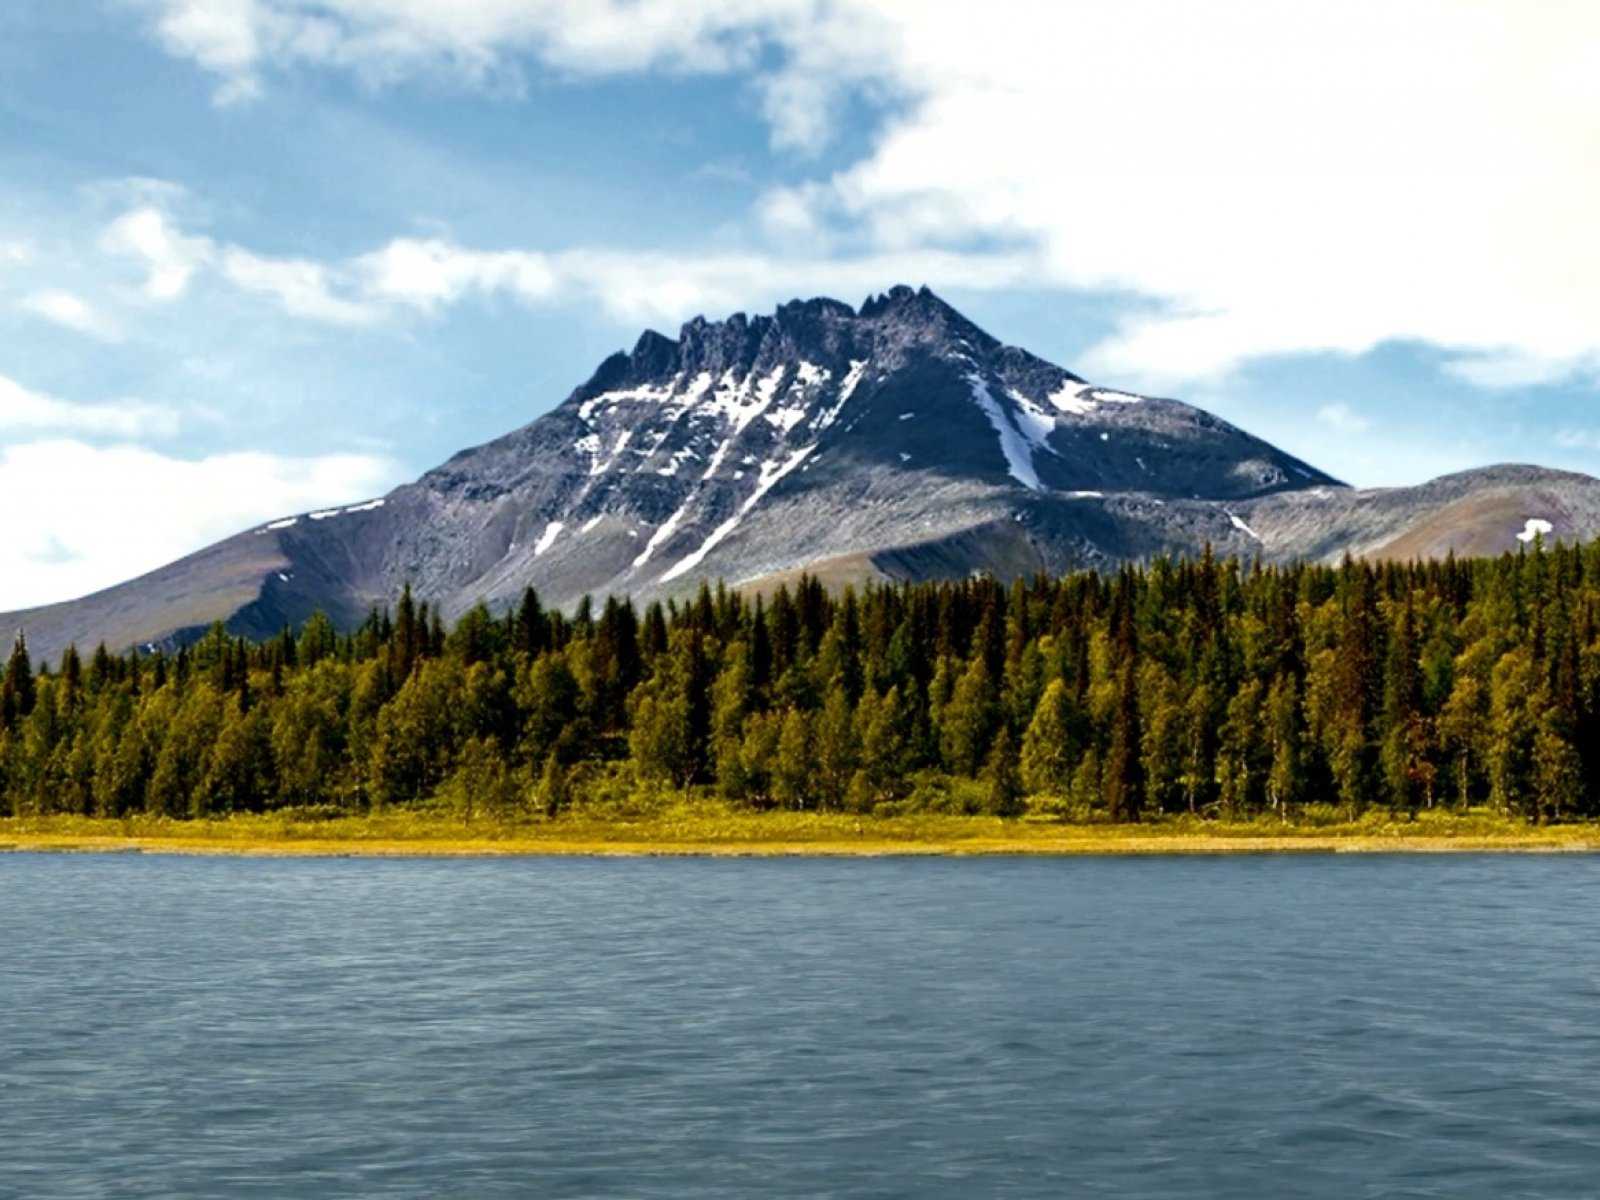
{"points": [[1318, 1025]]}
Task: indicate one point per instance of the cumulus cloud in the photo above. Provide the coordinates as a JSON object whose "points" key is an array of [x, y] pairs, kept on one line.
{"points": [[25, 411], [427, 273], [130, 509], [475, 41]]}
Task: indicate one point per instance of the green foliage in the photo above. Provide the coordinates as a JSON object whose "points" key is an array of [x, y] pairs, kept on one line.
{"points": [[1192, 689], [1048, 747], [1003, 791], [482, 785]]}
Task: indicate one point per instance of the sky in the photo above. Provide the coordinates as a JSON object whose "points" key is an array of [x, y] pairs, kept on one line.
{"points": [[262, 256]]}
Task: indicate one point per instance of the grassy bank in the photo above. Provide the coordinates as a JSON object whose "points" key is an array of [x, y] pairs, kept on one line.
{"points": [[708, 828]]}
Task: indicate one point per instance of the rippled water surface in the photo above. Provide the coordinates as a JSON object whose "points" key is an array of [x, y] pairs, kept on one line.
{"points": [[1284, 1026]]}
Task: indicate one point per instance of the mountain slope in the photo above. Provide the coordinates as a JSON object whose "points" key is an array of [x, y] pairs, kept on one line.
{"points": [[895, 441]]}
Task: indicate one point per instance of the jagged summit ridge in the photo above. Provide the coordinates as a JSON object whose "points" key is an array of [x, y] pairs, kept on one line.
{"points": [[672, 459], [823, 327]]}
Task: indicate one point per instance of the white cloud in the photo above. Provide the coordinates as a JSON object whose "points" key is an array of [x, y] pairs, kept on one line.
{"points": [[427, 273], [1521, 369], [220, 35], [1276, 178], [15, 252], [1284, 179], [66, 309], [475, 41], [1343, 418], [26, 411], [170, 257], [129, 509]]}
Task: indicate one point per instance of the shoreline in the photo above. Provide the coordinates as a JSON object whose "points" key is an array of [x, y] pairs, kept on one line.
{"points": [[1068, 843]]}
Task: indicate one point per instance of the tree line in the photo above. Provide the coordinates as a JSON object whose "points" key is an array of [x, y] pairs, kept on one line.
{"points": [[1198, 686]]}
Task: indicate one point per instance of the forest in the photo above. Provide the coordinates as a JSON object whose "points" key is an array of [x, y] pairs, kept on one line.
{"points": [[1208, 687]]}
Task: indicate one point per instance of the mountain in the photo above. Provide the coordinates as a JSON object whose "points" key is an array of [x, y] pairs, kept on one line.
{"points": [[897, 441]]}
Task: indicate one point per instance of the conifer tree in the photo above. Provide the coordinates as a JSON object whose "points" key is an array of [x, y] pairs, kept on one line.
{"points": [[1124, 768], [1407, 772], [407, 637], [17, 691], [533, 632]]}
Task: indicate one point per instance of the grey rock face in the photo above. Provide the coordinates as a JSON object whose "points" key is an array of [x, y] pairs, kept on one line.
{"points": [[895, 441]]}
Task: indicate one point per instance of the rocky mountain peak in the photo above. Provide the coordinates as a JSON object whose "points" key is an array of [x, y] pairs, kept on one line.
{"points": [[923, 316], [819, 330], [895, 440]]}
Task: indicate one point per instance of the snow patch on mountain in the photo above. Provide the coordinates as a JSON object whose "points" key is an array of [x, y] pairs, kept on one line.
{"points": [[1017, 448], [1083, 399], [1036, 424], [663, 533], [1068, 398], [1239, 524], [771, 473], [548, 537], [645, 393], [846, 390]]}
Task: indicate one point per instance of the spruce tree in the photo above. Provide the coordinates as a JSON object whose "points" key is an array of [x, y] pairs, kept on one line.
{"points": [[18, 687], [407, 637], [1406, 769]]}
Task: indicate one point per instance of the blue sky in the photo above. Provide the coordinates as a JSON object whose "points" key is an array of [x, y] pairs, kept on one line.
{"points": [[258, 256]]}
